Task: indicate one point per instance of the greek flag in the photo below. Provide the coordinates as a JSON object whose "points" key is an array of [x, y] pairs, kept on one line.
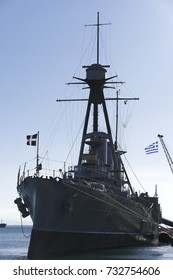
{"points": [[32, 139], [153, 148]]}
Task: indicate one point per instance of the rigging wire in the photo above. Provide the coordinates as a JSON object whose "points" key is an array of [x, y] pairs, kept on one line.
{"points": [[75, 140], [134, 173], [59, 110], [125, 208]]}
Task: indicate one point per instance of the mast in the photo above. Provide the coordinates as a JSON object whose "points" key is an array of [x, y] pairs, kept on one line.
{"points": [[116, 130], [98, 24], [97, 37], [98, 156]]}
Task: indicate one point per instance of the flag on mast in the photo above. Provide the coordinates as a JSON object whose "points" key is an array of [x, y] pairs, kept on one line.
{"points": [[32, 139], [153, 148]]}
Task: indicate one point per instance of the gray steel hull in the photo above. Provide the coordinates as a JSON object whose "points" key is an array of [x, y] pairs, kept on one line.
{"points": [[69, 218]]}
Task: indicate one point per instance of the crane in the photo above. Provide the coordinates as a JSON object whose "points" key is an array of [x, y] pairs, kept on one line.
{"points": [[169, 159]]}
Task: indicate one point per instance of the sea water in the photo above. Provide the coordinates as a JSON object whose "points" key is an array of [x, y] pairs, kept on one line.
{"points": [[14, 242]]}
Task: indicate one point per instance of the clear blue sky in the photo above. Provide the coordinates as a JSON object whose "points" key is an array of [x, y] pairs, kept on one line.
{"points": [[42, 45]]}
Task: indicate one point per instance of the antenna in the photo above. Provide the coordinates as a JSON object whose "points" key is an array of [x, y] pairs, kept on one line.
{"points": [[98, 24]]}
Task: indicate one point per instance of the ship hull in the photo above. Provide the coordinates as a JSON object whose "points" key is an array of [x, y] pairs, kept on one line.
{"points": [[54, 245], [2, 225], [69, 218]]}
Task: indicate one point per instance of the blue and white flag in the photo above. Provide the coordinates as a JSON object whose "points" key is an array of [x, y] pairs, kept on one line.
{"points": [[153, 148]]}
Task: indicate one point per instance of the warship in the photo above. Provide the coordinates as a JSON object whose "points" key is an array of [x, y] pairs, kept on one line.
{"points": [[93, 205]]}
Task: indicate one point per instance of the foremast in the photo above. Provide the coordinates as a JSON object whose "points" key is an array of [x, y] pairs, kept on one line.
{"points": [[102, 161]]}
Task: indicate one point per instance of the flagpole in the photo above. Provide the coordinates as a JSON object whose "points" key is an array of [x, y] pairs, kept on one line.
{"points": [[37, 158]]}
